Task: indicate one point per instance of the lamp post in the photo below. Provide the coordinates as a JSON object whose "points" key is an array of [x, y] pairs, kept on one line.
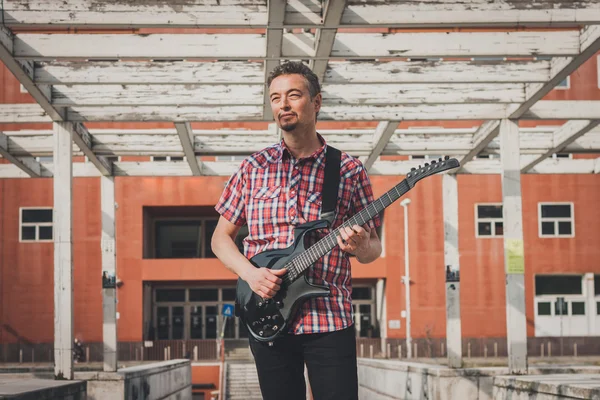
{"points": [[406, 279]]}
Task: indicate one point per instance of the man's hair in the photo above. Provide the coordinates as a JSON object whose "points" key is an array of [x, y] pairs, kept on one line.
{"points": [[296, 67]]}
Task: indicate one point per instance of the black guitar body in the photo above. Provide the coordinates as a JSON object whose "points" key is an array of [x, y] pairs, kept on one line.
{"points": [[267, 319]]}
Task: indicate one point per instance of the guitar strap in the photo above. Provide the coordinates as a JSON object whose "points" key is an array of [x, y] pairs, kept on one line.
{"points": [[331, 183]]}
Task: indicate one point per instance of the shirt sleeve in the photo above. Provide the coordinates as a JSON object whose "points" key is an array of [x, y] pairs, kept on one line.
{"points": [[363, 196], [232, 205]]}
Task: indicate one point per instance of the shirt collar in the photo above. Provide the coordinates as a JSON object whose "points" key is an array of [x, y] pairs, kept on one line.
{"points": [[318, 155]]}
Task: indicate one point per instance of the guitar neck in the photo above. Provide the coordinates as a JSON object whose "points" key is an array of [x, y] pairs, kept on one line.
{"points": [[326, 244]]}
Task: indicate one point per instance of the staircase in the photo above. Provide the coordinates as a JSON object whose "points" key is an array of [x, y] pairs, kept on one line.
{"points": [[242, 381], [237, 350]]}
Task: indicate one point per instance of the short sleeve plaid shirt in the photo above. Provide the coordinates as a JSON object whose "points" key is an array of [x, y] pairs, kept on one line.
{"points": [[273, 192]]}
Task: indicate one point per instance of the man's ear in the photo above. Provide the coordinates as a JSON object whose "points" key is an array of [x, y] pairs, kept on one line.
{"points": [[318, 100]]}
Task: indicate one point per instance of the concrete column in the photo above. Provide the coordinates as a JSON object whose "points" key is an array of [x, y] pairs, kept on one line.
{"points": [[590, 303], [514, 259], [452, 271], [109, 270], [63, 251], [380, 300]]}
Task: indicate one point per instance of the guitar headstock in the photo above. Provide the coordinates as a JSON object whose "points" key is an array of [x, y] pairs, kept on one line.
{"points": [[431, 168]]}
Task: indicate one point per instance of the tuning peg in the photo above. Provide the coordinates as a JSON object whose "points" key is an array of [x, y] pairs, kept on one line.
{"points": [[413, 169], [427, 164], [447, 158], [433, 161]]}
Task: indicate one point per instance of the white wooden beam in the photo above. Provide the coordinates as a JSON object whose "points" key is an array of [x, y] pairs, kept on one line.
{"points": [[23, 71], [295, 45], [325, 37], [22, 113], [109, 265], [186, 136], [83, 139], [484, 135], [563, 136], [226, 13], [166, 113], [429, 112], [276, 15], [148, 72], [485, 71], [563, 109], [384, 131], [28, 164], [63, 251], [561, 68]]}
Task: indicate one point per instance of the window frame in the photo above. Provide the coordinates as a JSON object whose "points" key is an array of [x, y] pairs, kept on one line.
{"points": [[202, 221], [490, 220], [36, 225], [568, 85], [556, 220]]}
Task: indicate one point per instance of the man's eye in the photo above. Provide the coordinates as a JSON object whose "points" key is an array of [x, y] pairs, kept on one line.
{"points": [[274, 99]]}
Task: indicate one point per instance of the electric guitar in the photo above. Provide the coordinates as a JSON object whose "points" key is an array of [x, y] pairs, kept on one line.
{"points": [[267, 319]]}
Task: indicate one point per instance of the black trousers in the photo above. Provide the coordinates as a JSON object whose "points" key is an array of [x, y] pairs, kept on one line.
{"points": [[330, 360]]}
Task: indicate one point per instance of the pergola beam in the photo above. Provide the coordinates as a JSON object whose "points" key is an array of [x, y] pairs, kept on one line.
{"points": [[564, 136], [83, 139], [561, 68], [276, 15], [186, 136], [429, 14], [29, 165], [383, 133], [33, 46], [325, 37], [484, 135]]}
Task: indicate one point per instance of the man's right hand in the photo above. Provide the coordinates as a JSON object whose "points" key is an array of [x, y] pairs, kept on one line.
{"points": [[265, 282]]}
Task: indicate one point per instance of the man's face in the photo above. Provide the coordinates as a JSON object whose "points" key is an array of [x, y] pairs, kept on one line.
{"points": [[291, 103]]}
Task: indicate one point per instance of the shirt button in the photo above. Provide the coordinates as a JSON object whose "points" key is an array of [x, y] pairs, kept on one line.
{"points": [[292, 192]]}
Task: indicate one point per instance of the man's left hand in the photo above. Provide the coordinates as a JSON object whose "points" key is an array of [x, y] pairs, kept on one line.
{"points": [[355, 240]]}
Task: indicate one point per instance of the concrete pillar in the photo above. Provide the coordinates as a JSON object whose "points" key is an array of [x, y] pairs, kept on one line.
{"points": [[514, 259], [452, 271], [590, 303], [109, 273], [380, 300], [63, 250]]}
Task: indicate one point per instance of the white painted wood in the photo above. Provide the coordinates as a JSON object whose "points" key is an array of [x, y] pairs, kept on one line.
{"points": [[305, 13], [455, 44], [156, 95], [484, 135], [324, 38], [452, 262], [137, 14], [589, 44], [429, 112], [394, 93], [428, 13], [295, 45], [28, 165], [63, 251], [166, 113], [384, 131], [186, 137], [132, 46], [22, 113], [276, 14], [516, 321], [564, 136], [23, 71], [563, 109], [109, 265], [173, 72], [83, 139], [484, 71]]}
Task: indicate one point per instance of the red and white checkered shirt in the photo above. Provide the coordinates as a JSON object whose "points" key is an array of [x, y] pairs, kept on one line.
{"points": [[273, 192]]}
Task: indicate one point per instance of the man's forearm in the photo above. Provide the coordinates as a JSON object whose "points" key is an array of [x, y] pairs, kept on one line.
{"points": [[371, 253], [227, 251]]}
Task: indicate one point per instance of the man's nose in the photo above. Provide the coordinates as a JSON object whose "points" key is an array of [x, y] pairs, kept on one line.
{"points": [[285, 103]]}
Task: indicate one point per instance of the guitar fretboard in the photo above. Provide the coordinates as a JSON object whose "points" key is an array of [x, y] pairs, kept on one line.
{"points": [[307, 258]]}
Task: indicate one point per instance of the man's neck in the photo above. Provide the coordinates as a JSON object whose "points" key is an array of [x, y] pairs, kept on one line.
{"points": [[301, 143]]}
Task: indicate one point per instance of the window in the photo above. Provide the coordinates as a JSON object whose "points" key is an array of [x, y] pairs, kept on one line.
{"points": [[597, 285], [230, 158], [488, 220], [564, 84], [558, 285], [544, 308], [577, 308], [35, 224], [556, 220], [166, 158]]}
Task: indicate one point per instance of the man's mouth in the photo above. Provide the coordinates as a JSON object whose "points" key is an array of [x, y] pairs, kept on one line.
{"points": [[286, 115]]}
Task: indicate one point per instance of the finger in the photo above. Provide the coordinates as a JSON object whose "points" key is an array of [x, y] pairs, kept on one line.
{"points": [[360, 231], [278, 272], [270, 277], [268, 292], [343, 246], [344, 234]]}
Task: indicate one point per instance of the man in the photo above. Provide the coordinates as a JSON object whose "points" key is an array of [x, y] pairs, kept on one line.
{"points": [[273, 191]]}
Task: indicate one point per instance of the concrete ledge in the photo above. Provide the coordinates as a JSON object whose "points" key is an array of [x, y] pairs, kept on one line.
{"points": [[159, 380], [548, 387], [42, 389]]}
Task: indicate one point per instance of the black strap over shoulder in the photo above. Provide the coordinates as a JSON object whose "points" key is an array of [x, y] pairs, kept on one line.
{"points": [[331, 183]]}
